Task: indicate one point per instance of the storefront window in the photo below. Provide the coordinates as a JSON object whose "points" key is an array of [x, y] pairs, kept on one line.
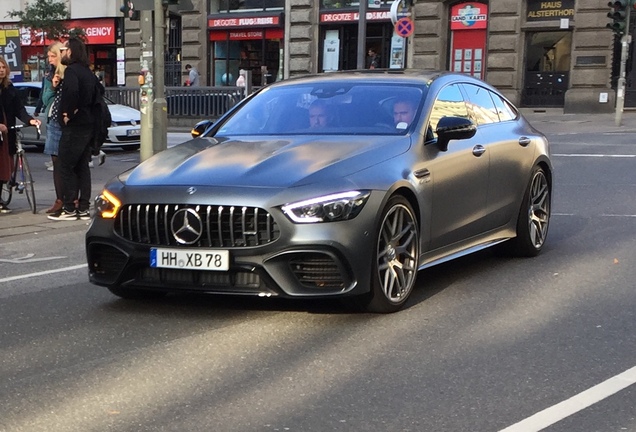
{"points": [[260, 57], [251, 5], [34, 63]]}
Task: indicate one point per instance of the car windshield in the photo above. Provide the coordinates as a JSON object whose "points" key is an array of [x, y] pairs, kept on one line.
{"points": [[330, 108]]}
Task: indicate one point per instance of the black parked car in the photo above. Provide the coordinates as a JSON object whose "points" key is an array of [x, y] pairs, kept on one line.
{"points": [[333, 185]]}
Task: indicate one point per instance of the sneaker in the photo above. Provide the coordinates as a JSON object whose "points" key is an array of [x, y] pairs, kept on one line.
{"points": [[90, 164], [48, 164], [83, 215], [63, 215], [50, 168], [4, 209], [101, 158]]}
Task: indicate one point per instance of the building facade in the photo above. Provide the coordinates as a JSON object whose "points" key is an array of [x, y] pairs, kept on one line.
{"points": [[538, 53], [26, 51]]}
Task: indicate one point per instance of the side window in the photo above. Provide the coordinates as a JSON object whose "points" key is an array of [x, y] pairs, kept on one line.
{"points": [[30, 96], [23, 92], [481, 104], [504, 109], [449, 102]]}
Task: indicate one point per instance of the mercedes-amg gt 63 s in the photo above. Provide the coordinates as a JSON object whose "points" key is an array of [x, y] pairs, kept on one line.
{"points": [[331, 185]]}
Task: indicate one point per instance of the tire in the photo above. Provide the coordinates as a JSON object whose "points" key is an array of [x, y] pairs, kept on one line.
{"points": [[534, 217], [29, 190], [136, 294], [395, 258]]}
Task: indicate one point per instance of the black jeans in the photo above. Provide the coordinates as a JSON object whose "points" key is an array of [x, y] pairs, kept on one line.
{"points": [[73, 157]]}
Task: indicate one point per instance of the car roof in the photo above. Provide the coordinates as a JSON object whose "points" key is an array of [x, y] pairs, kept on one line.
{"points": [[382, 76]]}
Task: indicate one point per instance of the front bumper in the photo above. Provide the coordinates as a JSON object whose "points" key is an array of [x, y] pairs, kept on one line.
{"points": [[308, 260]]}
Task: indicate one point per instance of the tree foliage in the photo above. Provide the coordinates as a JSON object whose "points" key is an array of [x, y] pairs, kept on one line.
{"points": [[45, 18]]}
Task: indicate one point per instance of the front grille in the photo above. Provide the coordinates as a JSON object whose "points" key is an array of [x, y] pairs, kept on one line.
{"points": [[314, 270], [232, 281], [126, 138], [222, 226]]}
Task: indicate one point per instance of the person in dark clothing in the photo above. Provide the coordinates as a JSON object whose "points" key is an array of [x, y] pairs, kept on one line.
{"points": [[78, 90], [373, 59], [11, 107]]}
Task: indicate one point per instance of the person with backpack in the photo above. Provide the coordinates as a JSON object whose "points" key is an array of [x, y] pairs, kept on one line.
{"points": [[77, 120]]}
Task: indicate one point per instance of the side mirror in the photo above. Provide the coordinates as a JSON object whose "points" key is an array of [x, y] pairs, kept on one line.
{"points": [[454, 128], [200, 128]]}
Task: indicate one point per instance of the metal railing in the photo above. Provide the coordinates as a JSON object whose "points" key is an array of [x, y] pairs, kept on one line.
{"points": [[188, 102]]}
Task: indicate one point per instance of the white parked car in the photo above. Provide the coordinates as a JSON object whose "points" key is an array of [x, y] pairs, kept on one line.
{"points": [[124, 131]]}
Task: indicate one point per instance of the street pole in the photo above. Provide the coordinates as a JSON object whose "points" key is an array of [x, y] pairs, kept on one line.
{"points": [[362, 33], [160, 108], [620, 91], [146, 90]]}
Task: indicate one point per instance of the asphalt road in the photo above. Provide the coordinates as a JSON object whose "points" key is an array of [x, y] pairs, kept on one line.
{"points": [[486, 343]]}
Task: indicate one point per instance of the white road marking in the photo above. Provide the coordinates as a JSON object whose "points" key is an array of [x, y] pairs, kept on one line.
{"points": [[28, 258], [42, 273], [579, 402], [601, 215], [594, 155]]}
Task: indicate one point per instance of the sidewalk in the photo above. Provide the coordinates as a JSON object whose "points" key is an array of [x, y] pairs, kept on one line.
{"points": [[20, 222], [553, 121]]}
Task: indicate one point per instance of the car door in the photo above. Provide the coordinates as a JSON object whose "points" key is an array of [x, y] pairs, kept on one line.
{"points": [[509, 152], [460, 177]]}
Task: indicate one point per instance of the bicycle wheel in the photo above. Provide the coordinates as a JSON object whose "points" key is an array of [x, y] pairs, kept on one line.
{"points": [[27, 181], [7, 187]]}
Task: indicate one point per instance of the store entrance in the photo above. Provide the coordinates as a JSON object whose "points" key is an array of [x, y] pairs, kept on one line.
{"points": [[547, 71], [378, 38]]}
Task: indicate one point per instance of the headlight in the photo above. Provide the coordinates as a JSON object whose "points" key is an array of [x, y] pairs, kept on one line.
{"points": [[329, 208], [107, 205]]}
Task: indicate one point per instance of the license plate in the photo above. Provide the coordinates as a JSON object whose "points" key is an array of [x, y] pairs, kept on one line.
{"points": [[199, 259], [133, 132]]}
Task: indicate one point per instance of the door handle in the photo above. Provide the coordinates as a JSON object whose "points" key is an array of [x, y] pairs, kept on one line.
{"points": [[421, 173], [479, 150], [524, 141]]}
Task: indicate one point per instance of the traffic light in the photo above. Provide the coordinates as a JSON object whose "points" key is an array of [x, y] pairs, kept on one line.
{"points": [[129, 11], [618, 16]]}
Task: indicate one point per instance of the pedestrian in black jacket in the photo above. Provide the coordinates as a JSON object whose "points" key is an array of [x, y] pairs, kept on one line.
{"points": [[75, 118], [11, 107]]}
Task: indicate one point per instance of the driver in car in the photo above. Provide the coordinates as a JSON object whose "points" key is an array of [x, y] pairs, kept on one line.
{"points": [[319, 116]]}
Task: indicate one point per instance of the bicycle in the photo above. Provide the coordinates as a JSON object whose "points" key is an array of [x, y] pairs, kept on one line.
{"points": [[21, 178]]}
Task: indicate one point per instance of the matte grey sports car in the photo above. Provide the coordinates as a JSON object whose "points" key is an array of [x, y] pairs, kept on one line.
{"points": [[341, 184]]}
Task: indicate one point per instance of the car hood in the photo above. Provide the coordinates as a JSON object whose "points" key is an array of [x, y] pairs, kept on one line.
{"points": [[121, 113], [281, 162]]}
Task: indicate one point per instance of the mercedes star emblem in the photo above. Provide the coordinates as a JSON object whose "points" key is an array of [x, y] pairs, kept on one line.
{"points": [[187, 226]]}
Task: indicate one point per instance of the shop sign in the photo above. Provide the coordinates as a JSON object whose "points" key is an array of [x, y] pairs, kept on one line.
{"points": [[10, 50], [469, 16], [246, 35], [262, 21], [539, 10], [354, 16], [98, 32]]}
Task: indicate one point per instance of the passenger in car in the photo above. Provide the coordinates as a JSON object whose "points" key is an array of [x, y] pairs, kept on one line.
{"points": [[404, 113]]}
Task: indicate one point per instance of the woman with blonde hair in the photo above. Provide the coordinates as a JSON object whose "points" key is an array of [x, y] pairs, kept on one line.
{"points": [[51, 94], [11, 107]]}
